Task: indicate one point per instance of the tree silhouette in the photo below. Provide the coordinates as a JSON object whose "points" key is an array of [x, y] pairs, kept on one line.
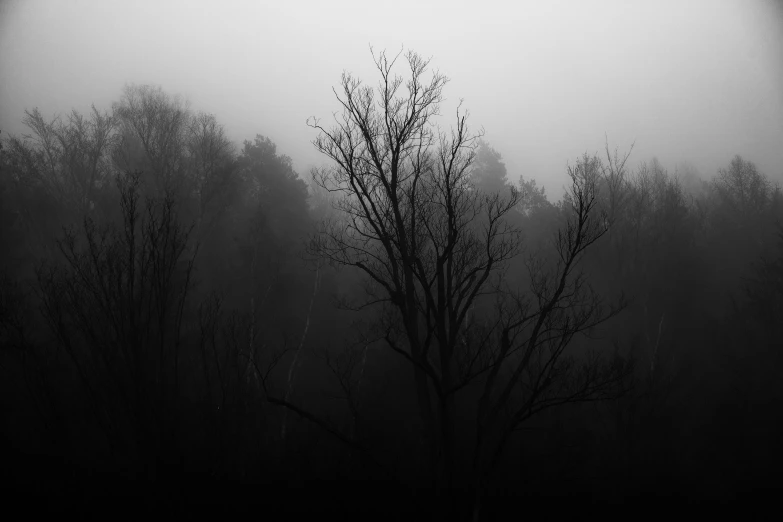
{"points": [[489, 171], [433, 248]]}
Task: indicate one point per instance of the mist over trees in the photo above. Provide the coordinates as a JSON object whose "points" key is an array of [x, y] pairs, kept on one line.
{"points": [[411, 328]]}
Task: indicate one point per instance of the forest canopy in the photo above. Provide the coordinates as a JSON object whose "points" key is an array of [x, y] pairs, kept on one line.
{"points": [[176, 307]]}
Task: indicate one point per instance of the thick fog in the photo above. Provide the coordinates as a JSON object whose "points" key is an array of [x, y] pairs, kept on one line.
{"points": [[696, 81], [203, 315]]}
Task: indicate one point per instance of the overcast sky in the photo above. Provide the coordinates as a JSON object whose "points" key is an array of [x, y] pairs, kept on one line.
{"points": [[687, 80]]}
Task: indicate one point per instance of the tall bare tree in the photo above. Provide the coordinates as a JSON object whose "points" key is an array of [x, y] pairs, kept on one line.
{"points": [[68, 158], [411, 224], [433, 247], [155, 128], [212, 167], [116, 301]]}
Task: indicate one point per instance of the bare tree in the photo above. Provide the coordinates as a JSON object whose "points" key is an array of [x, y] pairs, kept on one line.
{"points": [[211, 156], [433, 248], [530, 368], [70, 159], [115, 303], [411, 225], [154, 127]]}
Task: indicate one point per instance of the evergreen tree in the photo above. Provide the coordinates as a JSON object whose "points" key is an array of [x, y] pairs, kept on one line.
{"points": [[489, 171]]}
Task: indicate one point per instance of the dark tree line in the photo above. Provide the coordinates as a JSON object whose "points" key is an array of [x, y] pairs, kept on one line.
{"points": [[181, 318]]}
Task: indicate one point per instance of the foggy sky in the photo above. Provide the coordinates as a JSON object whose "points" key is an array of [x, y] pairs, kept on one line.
{"points": [[687, 80]]}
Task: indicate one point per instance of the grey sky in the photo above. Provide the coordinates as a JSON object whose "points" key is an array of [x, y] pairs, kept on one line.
{"points": [[689, 80]]}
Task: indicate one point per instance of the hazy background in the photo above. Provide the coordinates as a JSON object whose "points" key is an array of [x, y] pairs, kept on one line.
{"points": [[696, 81]]}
